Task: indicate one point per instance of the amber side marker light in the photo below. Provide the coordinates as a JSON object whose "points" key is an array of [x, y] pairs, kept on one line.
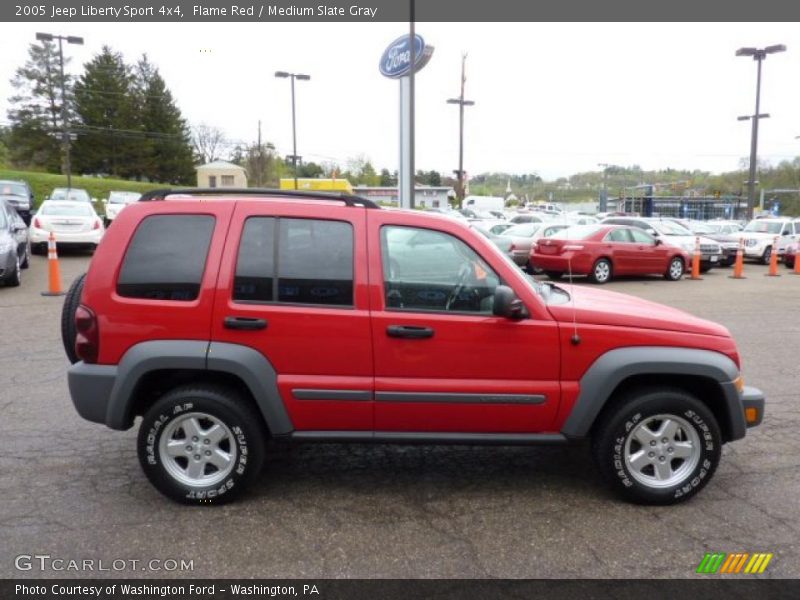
{"points": [[751, 415]]}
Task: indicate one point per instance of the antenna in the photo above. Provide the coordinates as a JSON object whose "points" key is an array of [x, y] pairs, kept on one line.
{"points": [[575, 339]]}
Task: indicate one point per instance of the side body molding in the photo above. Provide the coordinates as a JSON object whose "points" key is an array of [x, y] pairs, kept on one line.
{"points": [[613, 367]]}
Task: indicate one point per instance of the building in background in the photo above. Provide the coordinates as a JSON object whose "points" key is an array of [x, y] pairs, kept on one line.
{"points": [[425, 196], [221, 174]]}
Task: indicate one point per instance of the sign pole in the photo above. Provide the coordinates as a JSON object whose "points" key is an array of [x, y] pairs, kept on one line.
{"points": [[405, 179]]}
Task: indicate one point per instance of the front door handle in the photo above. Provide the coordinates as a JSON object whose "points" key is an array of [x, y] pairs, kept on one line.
{"points": [[248, 323], [409, 331]]}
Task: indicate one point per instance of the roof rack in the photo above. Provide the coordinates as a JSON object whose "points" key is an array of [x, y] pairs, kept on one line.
{"points": [[348, 199]]}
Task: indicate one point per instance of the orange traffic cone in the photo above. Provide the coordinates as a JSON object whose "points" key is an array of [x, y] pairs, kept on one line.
{"points": [[773, 260], [738, 266], [696, 260], [796, 261], [54, 271]]}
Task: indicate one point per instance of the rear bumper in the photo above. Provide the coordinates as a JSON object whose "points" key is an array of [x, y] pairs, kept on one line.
{"points": [[78, 238], [754, 400], [90, 387]]}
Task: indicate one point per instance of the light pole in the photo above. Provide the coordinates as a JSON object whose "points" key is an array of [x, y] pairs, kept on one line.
{"points": [[461, 104], [758, 54], [301, 77], [65, 136], [603, 205]]}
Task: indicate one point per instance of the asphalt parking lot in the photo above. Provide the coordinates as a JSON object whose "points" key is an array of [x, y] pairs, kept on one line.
{"points": [[74, 490]]}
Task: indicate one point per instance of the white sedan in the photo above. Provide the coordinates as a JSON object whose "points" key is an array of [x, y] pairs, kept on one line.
{"points": [[116, 202], [73, 223]]}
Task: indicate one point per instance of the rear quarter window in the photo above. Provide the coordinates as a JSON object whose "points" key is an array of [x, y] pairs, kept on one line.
{"points": [[166, 258]]}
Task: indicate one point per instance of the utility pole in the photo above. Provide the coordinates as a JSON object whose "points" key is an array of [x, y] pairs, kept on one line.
{"points": [[65, 133], [461, 104]]}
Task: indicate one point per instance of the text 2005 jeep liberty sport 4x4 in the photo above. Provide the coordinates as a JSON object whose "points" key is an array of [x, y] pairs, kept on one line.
{"points": [[225, 321]]}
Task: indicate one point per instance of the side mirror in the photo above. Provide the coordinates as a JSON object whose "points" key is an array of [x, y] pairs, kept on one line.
{"points": [[506, 304], [658, 242], [652, 232]]}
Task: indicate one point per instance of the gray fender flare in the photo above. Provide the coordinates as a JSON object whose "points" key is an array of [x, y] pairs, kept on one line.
{"points": [[613, 367], [249, 365]]}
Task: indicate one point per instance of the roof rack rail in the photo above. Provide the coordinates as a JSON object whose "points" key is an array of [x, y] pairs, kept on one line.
{"points": [[348, 199]]}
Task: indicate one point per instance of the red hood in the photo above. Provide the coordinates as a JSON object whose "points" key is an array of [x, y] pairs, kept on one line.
{"points": [[600, 307]]}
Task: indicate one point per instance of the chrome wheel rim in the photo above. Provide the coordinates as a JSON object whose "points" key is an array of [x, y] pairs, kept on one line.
{"points": [[662, 451], [197, 449], [602, 271], [676, 269]]}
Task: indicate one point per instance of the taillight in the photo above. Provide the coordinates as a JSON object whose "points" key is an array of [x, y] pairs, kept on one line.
{"points": [[96, 224], [87, 341], [513, 247], [573, 247], [37, 223]]}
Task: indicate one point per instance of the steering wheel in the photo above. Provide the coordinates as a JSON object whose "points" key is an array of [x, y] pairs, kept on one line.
{"points": [[463, 273]]}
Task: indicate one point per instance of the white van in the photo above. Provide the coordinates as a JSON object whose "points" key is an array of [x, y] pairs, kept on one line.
{"points": [[484, 203]]}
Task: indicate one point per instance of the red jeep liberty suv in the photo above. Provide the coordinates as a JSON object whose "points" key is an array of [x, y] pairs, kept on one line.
{"points": [[227, 317]]}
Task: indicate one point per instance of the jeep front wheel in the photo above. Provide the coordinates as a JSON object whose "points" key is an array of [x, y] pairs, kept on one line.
{"points": [[657, 446], [201, 444]]}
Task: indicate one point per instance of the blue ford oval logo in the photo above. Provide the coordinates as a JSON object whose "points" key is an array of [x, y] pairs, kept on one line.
{"points": [[396, 59]]}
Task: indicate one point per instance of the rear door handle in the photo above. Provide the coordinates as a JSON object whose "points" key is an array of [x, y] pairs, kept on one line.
{"points": [[409, 331], [248, 323]]}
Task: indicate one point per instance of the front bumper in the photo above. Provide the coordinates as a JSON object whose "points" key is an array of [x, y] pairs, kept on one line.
{"points": [[753, 405]]}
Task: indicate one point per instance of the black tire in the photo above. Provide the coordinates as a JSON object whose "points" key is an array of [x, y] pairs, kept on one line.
{"points": [[706, 267], [554, 275], [26, 259], [68, 331], [673, 273], [789, 263], [767, 255], [602, 271], [246, 443], [729, 262], [615, 436], [14, 278]]}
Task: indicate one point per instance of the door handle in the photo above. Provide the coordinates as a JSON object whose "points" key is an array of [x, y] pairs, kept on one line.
{"points": [[409, 331], [248, 323]]}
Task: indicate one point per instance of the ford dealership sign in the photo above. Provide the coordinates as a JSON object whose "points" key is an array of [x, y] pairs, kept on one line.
{"points": [[396, 59]]}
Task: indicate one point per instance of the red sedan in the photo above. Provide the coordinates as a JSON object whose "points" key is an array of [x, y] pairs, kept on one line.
{"points": [[606, 251]]}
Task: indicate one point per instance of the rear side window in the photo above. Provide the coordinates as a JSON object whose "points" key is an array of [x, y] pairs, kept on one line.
{"points": [[299, 261], [166, 258]]}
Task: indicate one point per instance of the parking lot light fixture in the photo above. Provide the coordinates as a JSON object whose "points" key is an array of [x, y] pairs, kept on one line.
{"points": [[65, 134], [301, 77], [758, 54]]}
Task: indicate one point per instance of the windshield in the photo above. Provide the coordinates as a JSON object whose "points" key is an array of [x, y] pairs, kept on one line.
{"points": [[764, 227], [65, 194], [13, 189], [123, 197], [701, 228], [523, 230], [66, 210], [670, 228]]}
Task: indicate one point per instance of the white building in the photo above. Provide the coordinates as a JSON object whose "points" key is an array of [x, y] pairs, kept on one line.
{"points": [[425, 196], [221, 174]]}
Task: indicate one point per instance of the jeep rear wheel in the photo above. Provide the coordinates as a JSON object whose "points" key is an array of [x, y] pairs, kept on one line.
{"points": [[657, 446], [201, 444]]}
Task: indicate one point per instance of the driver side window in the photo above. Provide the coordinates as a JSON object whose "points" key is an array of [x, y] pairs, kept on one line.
{"points": [[434, 271]]}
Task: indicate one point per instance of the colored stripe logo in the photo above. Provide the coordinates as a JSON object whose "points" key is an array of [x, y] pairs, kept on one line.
{"points": [[735, 563]]}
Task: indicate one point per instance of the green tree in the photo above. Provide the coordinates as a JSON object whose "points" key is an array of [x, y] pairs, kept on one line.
{"points": [[106, 103], [165, 149], [35, 113]]}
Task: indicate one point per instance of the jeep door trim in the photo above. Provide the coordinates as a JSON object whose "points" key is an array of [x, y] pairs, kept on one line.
{"points": [[458, 398]]}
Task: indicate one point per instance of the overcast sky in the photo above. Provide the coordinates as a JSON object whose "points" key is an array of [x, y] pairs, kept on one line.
{"points": [[550, 98]]}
